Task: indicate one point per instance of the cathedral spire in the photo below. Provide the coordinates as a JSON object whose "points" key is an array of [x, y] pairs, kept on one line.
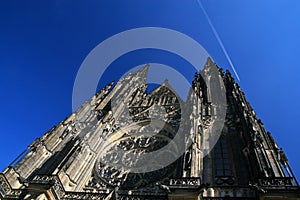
{"points": [[100, 151]]}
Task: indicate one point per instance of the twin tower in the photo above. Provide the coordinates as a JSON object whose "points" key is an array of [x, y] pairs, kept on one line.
{"points": [[131, 144]]}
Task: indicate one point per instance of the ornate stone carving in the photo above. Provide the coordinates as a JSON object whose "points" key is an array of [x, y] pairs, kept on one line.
{"points": [[276, 181], [4, 186], [185, 181], [224, 180], [90, 155]]}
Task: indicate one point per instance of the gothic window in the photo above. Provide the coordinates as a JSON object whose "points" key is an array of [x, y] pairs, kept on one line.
{"points": [[215, 88], [222, 163]]}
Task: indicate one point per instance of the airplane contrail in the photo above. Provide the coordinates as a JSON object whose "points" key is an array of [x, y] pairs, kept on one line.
{"points": [[218, 39]]}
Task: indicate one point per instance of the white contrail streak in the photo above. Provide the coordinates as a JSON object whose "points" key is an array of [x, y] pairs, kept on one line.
{"points": [[218, 39]]}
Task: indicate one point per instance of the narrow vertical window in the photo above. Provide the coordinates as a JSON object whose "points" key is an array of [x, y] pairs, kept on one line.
{"points": [[222, 163]]}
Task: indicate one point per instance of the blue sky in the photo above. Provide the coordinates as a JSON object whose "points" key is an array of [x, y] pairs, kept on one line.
{"points": [[43, 43]]}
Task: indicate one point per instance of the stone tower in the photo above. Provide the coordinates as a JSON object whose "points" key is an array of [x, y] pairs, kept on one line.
{"points": [[128, 143]]}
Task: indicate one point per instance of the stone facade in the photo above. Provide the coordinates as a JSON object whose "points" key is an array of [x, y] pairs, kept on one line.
{"points": [[89, 154]]}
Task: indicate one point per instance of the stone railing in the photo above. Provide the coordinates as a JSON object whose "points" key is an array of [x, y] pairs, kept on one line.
{"points": [[276, 181], [142, 197], [62, 194], [84, 195], [43, 179], [226, 198], [190, 182]]}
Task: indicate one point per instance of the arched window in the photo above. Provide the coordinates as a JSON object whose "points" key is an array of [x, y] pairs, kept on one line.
{"points": [[221, 160]]}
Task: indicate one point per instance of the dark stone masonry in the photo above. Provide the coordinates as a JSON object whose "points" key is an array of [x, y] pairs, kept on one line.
{"points": [[214, 147]]}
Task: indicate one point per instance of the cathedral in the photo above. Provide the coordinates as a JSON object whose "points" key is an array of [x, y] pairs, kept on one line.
{"points": [[129, 143]]}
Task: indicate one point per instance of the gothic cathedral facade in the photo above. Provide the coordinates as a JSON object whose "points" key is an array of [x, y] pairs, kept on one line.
{"points": [[126, 143]]}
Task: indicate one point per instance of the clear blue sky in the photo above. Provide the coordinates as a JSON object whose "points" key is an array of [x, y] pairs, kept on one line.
{"points": [[43, 43]]}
